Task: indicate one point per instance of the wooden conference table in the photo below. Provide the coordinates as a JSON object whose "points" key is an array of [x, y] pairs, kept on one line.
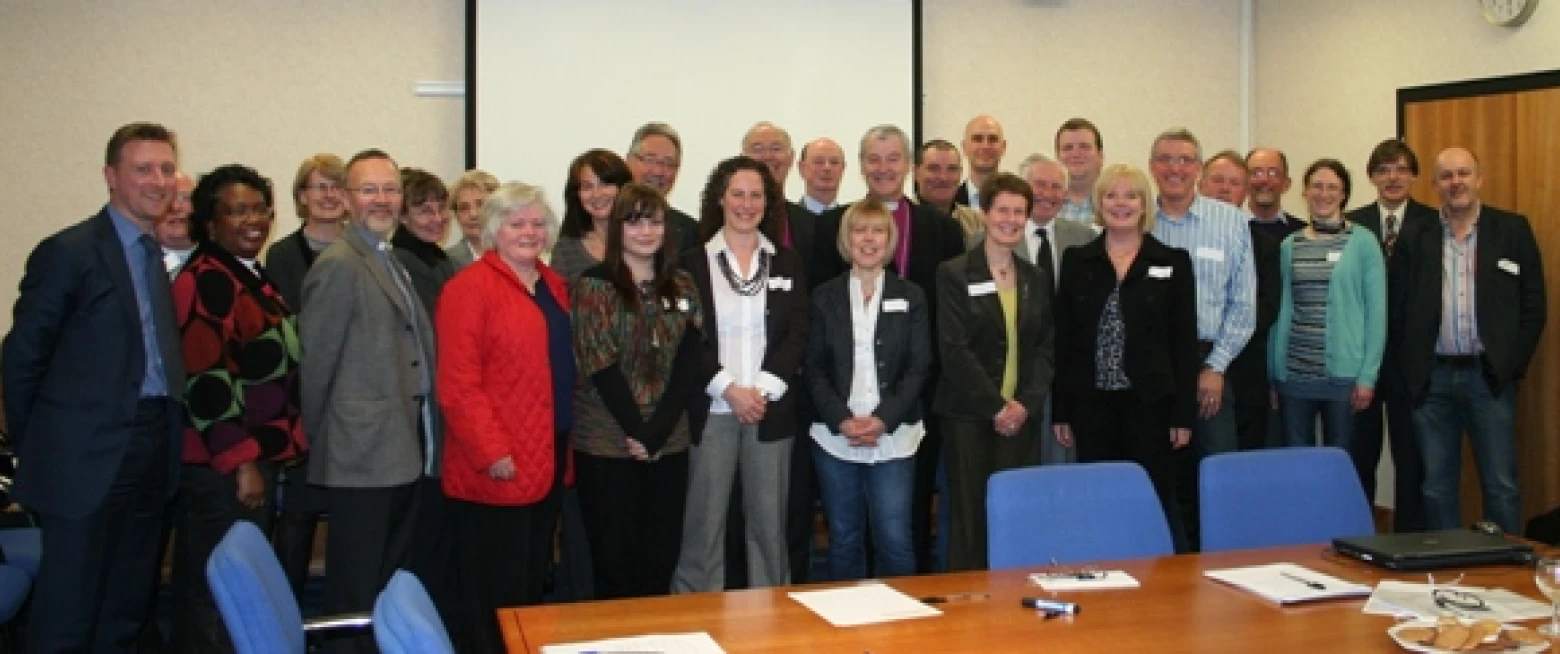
{"points": [[1176, 610]]}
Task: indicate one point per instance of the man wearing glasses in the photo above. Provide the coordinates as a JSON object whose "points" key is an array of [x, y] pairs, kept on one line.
{"points": [[1216, 236], [367, 385], [1269, 182], [654, 158]]}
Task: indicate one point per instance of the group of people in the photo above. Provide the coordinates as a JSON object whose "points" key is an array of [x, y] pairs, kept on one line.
{"points": [[679, 392]]}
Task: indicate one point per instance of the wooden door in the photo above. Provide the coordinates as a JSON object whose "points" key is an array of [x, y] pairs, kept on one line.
{"points": [[1513, 126]]}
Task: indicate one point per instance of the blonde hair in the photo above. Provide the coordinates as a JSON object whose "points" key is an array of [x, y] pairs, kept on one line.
{"points": [[1139, 184], [328, 166], [475, 178], [868, 209]]}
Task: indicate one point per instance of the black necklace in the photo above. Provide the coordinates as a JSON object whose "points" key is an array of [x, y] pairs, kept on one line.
{"points": [[750, 287]]}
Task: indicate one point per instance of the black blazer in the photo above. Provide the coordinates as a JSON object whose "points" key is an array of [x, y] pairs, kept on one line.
{"points": [[1160, 315], [287, 261], [785, 319], [972, 339], [1416, 215], [72, 367], [1510, 306], [686, 227], [902, 348], [804, 227], [962, 196], [1248, 372]]}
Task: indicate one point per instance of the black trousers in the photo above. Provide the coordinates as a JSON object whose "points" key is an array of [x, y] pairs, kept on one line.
{"points": [[370, 537], [923, 491], [1408, 513], [502, 555], [976, 451], [633, 515], [432, 557], [801, 507], [207, 506], [303, 504], [1253, 412], [96, 576], [1119, 426]]}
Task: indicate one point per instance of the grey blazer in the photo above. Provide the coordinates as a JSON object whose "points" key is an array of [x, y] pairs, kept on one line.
{"points": [[903, 349], [362, 348], [460, 254]]}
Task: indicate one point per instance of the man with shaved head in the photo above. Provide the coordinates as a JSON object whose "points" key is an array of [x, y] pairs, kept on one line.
{"points": [[1466, 307], [984, 145]]}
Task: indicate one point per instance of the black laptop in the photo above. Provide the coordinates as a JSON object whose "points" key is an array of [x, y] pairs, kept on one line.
{"points": [[1429, 550]]}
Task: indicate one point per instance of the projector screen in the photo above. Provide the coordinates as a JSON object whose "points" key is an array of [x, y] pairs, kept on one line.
{"points": [[547, 81]]}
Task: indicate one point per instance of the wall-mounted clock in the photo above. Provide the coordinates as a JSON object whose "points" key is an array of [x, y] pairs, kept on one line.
{"points": [[1507, 13]]}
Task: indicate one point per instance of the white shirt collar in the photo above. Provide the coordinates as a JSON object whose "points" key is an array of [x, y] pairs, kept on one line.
{"points": [[1402, 209], [717, 243], [816, 206]]}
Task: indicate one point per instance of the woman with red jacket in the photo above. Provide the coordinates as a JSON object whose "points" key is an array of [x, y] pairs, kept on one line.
{"points": [[506, 378]]}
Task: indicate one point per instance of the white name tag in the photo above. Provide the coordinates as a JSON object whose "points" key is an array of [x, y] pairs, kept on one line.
{"points": [[983, 288], [1160, 272], [896, 306], [1210, 254], [1334, 256], [1509, 266], [682, 304], [779, 283]]}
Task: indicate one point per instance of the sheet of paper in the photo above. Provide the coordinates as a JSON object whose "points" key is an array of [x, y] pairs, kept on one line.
{"points": [[1403, 599], [691, 643], [1287, 583], [1104, 580], [869, 603]]}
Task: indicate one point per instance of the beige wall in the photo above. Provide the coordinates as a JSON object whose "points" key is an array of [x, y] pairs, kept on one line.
{"points": [[1327, 71]]}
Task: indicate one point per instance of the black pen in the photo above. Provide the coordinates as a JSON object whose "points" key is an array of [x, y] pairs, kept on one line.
{"points": [[1313, 585]]}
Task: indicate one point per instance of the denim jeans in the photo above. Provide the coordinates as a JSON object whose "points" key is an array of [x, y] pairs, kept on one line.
{"points": [[1460, 398], [854, 493], [1339, 425]]}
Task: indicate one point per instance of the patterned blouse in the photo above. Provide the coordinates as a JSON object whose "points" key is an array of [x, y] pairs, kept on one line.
{"points": [[1313, 260], [643, 342], [1110, 373], [240, 342]]}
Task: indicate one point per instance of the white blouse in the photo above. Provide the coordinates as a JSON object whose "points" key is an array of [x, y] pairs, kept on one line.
{"points": [[740, 325], [864, 397]]}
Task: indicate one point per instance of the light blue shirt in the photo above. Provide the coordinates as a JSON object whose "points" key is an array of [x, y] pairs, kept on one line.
{"points": [[1215, 234], [153, 382], [1078, 212], [815, 206]]}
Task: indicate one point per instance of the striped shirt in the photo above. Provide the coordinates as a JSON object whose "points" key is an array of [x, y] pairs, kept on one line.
{"points": [[1459, 322], [1214, 233], [1312, 264], [1078, 212]]}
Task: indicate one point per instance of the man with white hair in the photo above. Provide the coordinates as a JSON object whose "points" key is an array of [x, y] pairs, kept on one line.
{"points": [[653, 158]]}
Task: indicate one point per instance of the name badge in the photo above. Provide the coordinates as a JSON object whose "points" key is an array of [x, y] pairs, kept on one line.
{"points": [[1509, 266], [1211, 254], [779, 283], [1160, 272], [896, 306], [682, 304], [1334, 256], [983, 288]]}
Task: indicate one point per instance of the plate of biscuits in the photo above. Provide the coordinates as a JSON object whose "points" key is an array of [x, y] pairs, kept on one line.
{"points": [[1448, 634]]}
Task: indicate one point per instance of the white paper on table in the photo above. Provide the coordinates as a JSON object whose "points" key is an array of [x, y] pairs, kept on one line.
{"points": [[1285, 583], [691, 643], [1405, 599], [1103, 580], [862, 604]]}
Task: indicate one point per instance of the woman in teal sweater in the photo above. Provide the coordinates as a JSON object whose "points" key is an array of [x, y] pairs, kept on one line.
{"points": [[1326, 345]]}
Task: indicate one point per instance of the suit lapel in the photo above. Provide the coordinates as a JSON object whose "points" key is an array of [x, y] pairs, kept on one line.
{"points": [[112, 253], [1491, 243], [978, 271], [378, 270]]}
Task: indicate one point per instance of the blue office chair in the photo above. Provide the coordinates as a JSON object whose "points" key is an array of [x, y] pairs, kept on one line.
{"points": [[255, 601], [1284, 496], [405, 621], [15, 586], [23, 546], [1073, 514]]}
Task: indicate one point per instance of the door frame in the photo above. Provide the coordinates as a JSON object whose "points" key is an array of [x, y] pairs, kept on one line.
{"points": [[1537, 80]]}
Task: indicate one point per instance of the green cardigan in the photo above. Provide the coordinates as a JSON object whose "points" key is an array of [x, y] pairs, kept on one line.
{"points": [[1356, 311]]}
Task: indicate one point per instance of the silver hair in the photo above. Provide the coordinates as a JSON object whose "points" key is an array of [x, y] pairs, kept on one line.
{"points": [[655, 128], [512, 197], [882, 132], [1037, 158], [764, 124]]}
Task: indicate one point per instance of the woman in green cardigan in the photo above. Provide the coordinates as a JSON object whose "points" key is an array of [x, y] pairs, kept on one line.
{"points": [[1326, 345]]}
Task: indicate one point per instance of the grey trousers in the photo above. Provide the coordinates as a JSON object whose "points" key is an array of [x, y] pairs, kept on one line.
{"points": [[731, 450]]}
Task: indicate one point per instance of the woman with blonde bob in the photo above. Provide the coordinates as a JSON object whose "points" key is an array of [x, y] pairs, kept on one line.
{"points": [[1126, 340], [466, 198], [867, 361], [506, 376]]}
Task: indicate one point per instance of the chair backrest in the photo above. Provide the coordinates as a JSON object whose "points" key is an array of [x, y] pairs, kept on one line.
{"points": [[15, 586], [252, 594], [1282, 496], [406, 621], [1073, 514]]}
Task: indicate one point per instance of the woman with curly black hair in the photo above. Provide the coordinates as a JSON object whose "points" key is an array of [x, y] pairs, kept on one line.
{"points": [[242, 420]]}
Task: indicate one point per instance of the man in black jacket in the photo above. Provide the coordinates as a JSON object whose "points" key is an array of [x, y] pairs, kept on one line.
{"points": [[1465, 314]]}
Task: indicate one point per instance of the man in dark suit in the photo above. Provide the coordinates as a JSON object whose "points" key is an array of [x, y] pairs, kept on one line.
{"points": [[1393, 167], [93, 378], [1225, 177], [367, 386], [927, 238], [821, 165], [1465, 315], [985, 145], [654, 158]]}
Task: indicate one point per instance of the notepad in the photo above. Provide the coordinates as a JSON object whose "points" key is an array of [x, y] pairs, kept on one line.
{"points": [[690, 643], [1287, 583], [1102, 580], [863, 604]]}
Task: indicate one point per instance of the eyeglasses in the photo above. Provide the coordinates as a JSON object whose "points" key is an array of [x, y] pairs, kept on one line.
{"points": [[1178, 160], [1084, 573], [668, 163], [773, 148], [323, 187], [240, 211], [371, 190], [1273, 173], [1448, 598]]}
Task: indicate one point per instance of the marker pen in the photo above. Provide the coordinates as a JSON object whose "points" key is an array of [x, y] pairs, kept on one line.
{"points": [[1051, 607]]}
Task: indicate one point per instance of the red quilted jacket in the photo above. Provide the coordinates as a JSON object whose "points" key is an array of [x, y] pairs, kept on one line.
{"points": [[495, 384]]}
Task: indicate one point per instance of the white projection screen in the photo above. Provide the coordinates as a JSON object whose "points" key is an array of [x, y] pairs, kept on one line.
{"points": [[550, 79]]}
